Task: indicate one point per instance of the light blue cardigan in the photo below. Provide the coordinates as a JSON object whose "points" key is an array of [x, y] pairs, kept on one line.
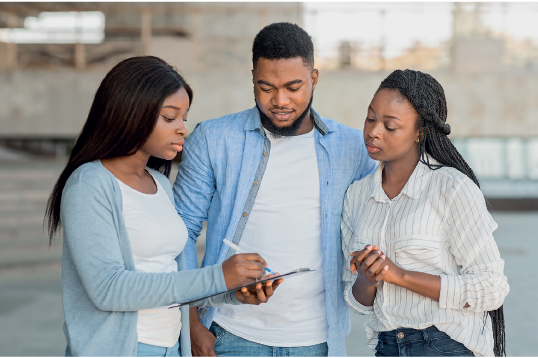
{"points": [[102, 292]]}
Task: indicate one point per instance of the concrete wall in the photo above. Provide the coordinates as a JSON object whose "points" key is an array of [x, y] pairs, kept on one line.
{"points": [[54, 104]]}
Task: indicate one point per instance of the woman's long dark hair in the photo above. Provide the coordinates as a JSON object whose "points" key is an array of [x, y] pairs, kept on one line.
{"points": [[123, 114], [428, 97]]}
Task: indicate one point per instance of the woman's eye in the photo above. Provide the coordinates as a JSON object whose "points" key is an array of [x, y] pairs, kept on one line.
{"points": [[390, 129], [370, 119], [167, 119]]}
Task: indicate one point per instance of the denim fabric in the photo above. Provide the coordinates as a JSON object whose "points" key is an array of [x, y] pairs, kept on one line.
{"points": [[221, 161], [429, 342], [230, 345], [148, 350]]}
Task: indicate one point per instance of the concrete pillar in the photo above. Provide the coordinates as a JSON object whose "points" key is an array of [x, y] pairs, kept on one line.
{"points": [[80, 56], [145, 32], [11, 50]]}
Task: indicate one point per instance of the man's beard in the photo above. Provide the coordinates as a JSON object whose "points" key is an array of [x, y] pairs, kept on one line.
{"points": [[288, 131]]}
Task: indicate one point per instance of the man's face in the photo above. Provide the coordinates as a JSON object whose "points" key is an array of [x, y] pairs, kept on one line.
{"points": [[283, 89]]}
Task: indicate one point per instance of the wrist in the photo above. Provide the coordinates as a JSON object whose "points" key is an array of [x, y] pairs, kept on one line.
{"points": [[399, 278]]}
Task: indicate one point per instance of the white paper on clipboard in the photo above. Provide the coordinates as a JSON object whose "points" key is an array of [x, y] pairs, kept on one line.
{"points": [[290, 274]]}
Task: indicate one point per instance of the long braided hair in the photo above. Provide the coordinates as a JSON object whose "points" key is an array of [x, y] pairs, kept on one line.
{"points": [[428, 97]]}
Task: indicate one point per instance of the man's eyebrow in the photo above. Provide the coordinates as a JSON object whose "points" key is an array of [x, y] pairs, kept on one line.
{"points": [[262, 82], [292, 82]]}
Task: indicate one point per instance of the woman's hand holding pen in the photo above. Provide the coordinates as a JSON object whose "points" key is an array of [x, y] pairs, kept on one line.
{"points": [[242, 269], [260, 293]]}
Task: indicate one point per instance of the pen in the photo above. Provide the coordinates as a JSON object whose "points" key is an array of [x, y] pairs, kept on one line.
{"points": [[236, 248]]}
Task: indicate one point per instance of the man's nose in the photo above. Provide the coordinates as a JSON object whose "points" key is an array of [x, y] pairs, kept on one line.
{"points": [[281, 99]]}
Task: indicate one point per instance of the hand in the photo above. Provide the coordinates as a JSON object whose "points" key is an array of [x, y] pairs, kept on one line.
{"points": [[202, 340], [260, 293], [369, 263], [374, 261], [242, 269]]}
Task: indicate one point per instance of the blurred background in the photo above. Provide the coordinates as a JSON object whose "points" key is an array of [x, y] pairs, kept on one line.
{"points": [[54, 55]]}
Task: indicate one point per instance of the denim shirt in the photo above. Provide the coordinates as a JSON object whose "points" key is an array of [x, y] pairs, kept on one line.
{"points": [[222, 160]]}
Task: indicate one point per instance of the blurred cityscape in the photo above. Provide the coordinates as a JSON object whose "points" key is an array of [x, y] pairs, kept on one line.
{"points": [[54, 55]]}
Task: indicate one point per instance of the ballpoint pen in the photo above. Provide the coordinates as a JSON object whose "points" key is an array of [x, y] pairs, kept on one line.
{"points": [[236, 248]]}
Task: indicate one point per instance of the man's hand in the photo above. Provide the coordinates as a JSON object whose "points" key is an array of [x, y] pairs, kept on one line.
{"points": [[260, 293], [202, 341]]}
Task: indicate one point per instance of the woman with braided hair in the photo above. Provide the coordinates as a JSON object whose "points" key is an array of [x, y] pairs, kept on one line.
{"points": [[420, 257]]}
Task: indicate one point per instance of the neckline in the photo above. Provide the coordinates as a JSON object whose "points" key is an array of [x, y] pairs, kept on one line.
{"points": [[137, 191]]}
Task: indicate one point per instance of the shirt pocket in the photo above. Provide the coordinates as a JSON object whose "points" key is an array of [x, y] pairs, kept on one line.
{"points": [[420, 253]]}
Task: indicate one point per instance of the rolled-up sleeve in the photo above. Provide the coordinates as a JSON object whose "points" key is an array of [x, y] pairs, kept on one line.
{"points": [[349, 278], [481, 283]]}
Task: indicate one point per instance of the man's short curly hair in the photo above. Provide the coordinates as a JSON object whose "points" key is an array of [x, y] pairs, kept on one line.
{"points": [[283, 40]]}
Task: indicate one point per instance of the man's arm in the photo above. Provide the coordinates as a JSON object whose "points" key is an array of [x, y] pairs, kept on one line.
{"points": [[193, 189]]}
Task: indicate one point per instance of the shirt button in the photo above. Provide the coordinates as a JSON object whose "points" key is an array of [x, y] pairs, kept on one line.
{"points": [[245, 215], [256, 183], [401, 335], [265, 154]]}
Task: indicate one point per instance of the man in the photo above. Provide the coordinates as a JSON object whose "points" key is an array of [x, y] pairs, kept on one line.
{"points": [[272, 179]]}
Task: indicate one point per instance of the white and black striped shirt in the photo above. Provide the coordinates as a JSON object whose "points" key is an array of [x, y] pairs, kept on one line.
{"points": [[438, 224]]}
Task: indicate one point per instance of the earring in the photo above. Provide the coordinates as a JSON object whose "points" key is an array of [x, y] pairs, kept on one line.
{"points": [[418, 140]]}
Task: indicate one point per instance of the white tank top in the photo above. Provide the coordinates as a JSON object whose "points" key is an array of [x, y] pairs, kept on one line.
{"points": [[157, 235]]}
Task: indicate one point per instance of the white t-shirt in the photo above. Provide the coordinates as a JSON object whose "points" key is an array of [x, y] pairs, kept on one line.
{"points": [[284, 227], [157, 235]]}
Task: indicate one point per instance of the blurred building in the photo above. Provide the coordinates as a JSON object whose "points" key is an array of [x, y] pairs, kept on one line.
{"points": [[490, 79]]}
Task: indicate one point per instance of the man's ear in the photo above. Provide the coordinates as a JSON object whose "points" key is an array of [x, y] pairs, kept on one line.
{"points": [[314, 78]]}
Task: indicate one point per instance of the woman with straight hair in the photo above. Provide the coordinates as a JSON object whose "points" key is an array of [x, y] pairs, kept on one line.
{"points": [[123, 263], [421, 259]]}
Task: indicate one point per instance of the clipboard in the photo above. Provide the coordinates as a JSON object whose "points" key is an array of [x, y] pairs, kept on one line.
{"points": [[293, 273]]}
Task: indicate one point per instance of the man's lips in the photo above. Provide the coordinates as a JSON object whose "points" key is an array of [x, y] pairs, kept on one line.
{"points": [[178, 146], [281, 115], [372, 148]]}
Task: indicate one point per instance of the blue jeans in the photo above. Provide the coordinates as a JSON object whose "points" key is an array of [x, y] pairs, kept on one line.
{"points": [[147, 350], [429, 342], [230, 345]]}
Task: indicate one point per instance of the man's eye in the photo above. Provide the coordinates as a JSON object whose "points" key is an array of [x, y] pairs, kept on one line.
{"points": [[370, 119], [295, 89]]}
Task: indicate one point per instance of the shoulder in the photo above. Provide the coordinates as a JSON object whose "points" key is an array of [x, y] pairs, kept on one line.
{"points": [[90, 183], [91, 174], [361, 188], [228, 123], [458, 187], [341, 130]]}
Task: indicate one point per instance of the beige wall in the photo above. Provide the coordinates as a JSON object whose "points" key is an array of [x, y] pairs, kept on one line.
{"points": [[55, 104]]}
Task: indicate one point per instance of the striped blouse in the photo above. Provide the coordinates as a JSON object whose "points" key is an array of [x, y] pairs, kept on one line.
{"points": [[438, 224]]}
